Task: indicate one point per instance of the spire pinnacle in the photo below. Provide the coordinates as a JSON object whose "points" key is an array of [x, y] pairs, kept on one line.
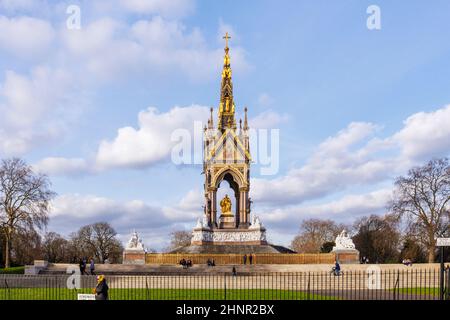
{"points": [[211, 121], [245, 120], [226, 107]]}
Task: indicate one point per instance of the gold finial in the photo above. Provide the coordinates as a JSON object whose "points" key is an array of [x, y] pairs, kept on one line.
{"points": [[226, 37]]}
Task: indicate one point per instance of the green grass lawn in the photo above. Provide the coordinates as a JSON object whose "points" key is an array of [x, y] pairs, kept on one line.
{"points": [[419, 291], [13, 270], [160, 294]]}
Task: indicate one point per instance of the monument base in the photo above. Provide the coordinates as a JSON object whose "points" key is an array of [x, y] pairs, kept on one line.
{"points": [[346, 256], [207, 236], [133, 257], [235, 249], [227, 222]]}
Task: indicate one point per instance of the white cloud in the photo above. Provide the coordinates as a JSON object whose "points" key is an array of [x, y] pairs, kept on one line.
{"points": [[172, 8], [265, 100], [19, 5], [335, 164], [25, 36], [62, 166], [268, 119], [188, 209], [107, 48], [69, 212], [345, 209], [151, 141], [356, 157], [36, 108], [354, 204], [425, 135], [40, 105]]}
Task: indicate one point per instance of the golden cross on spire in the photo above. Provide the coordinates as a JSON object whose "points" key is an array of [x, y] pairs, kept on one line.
{"points": [[226, 37]]}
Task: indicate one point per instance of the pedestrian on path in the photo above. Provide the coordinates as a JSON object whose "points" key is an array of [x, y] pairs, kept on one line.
{"points": [[92, 266], [101, 290]]}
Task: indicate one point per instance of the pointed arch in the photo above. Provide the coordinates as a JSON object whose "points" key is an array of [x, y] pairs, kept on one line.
{"points": [[238, 178]]}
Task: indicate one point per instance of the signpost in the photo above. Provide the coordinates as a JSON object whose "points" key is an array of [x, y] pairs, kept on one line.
{"points": [[442, 242], [86, 296]]}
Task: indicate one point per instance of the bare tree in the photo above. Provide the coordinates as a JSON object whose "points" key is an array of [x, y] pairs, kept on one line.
{"points": [[378, 238], [179, 239], [26, 246], [423, 197], [55, 248], [24, 200], [314, 233], [98, 240], [412, 250]]}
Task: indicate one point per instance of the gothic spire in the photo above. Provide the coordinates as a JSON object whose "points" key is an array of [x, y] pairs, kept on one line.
{"points": [[211, 121], [226, 107], [245, 120]]}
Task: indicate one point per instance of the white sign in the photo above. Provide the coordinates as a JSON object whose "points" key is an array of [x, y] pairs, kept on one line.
{"points": [[86, 296], [443, 242]]}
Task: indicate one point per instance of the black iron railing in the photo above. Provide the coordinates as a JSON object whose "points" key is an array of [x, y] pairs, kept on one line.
{"points": [[353, 285]]}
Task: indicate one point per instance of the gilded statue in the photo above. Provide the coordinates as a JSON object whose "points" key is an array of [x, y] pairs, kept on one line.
{"points": [[225, 205]]}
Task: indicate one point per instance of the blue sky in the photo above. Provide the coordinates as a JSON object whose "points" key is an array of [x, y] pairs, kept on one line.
{"points": [[355, 107]]}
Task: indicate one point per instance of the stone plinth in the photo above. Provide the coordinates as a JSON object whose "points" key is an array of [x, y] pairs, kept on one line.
{"points": [[253, 236], [346, 256], [131, 256], [37, 267], [226, 221], [218, 251]]}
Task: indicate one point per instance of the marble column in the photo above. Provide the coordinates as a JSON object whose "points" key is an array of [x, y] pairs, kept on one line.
{"points": [[213, 207], [242, 208], [237, 213]]}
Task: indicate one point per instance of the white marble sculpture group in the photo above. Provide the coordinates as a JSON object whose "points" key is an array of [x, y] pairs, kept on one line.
{"points": [[203, 233], [135, 243], [344, 242]]}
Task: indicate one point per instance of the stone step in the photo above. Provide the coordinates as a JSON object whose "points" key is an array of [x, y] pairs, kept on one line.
{"points": [[160, 269], [120, 269]]}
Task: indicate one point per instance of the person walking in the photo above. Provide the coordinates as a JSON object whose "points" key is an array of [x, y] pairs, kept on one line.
{"points": [[101, 290], [92, 266], [245, 259], [80, 264], [250, 258], [84, 266], [233, 271]]}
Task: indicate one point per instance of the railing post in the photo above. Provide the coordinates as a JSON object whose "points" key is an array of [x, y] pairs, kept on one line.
{"points": [[146, 289], [309, 287], [397, 283], [447, 289], [8, 290], [441, 282], [225, 286]]}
